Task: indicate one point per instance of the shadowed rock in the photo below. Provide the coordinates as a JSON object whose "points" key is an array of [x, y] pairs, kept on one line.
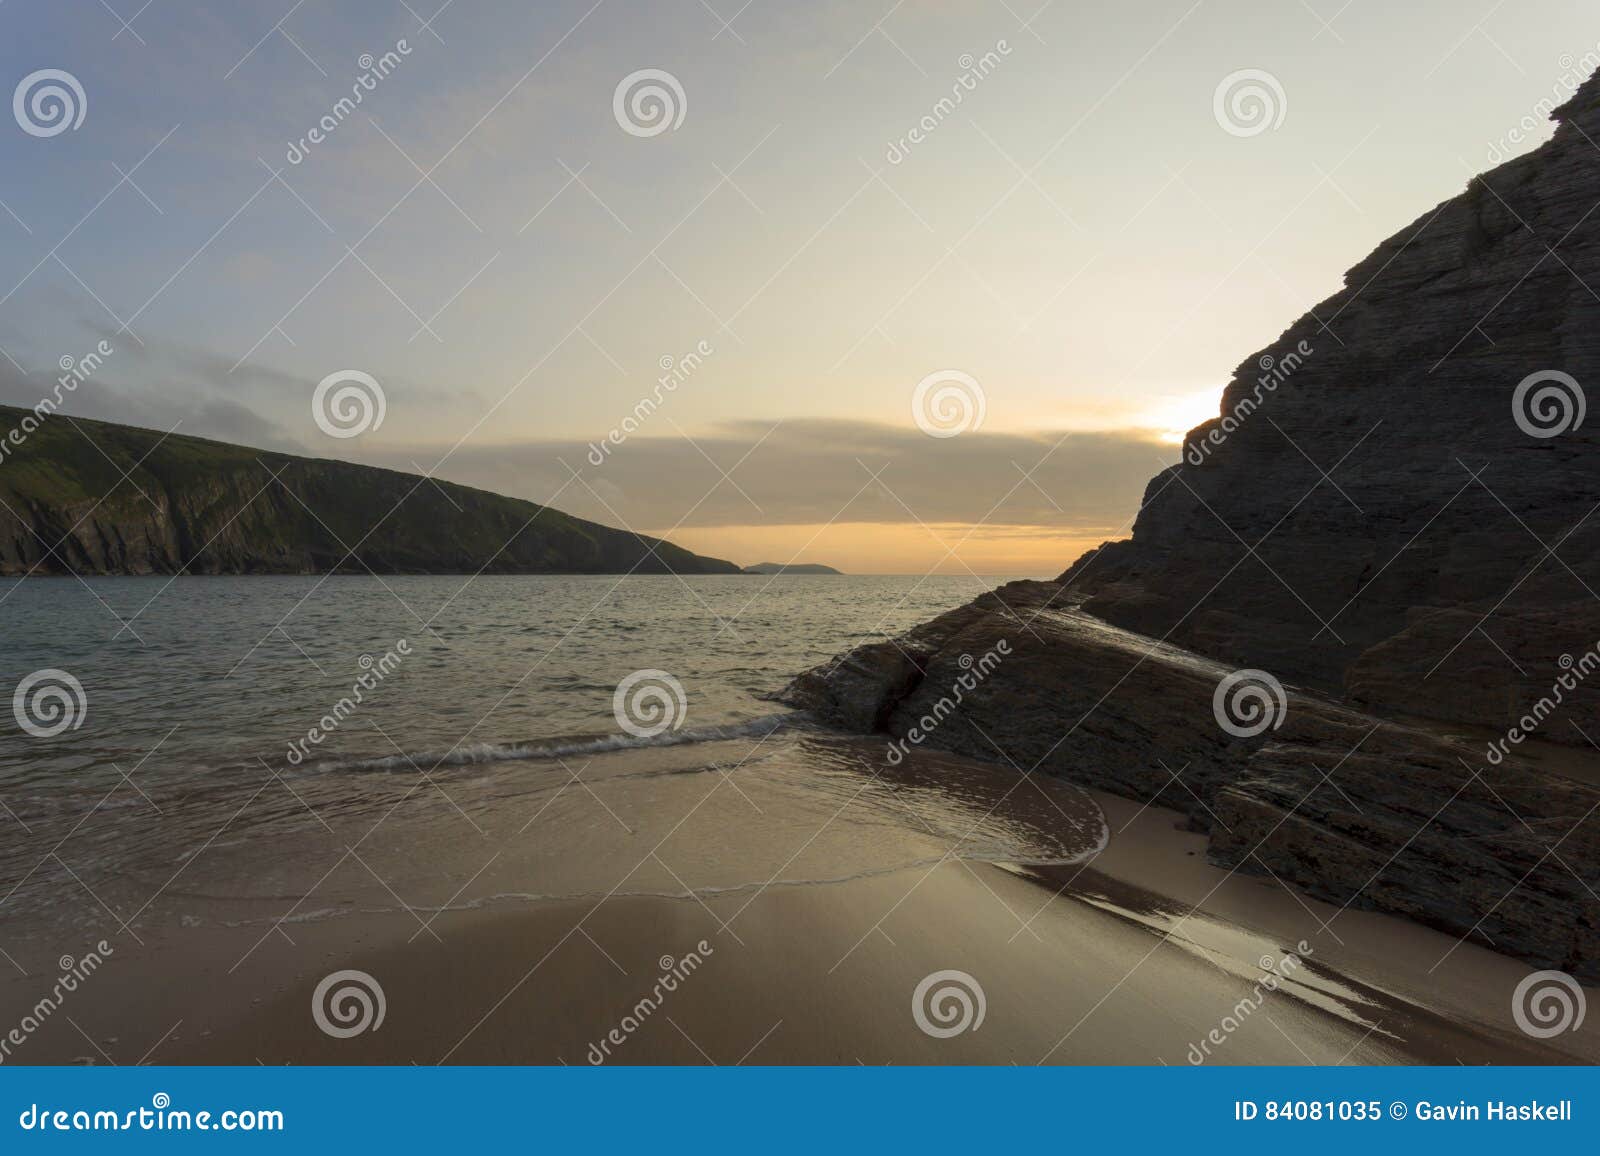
{"points": [[1437, 501], [1351, 808], [1377, 520]]}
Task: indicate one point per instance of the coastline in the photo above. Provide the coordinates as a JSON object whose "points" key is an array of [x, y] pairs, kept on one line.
{"points": [[1076, 965]]}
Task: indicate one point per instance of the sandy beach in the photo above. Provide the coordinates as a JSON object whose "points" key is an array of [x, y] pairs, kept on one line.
{"points": [[583, 534], [1139, 956]]}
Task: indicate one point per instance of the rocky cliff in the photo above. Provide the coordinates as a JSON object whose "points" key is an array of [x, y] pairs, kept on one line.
{"points": [[1358, 810], [1396, 515], [1377, 510], [204, 507]]}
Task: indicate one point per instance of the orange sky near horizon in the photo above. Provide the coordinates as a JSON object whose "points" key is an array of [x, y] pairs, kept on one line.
{"points": [[887, 548]]}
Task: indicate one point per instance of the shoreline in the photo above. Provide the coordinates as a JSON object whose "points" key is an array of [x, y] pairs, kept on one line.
{"points": [[1134, 957]]}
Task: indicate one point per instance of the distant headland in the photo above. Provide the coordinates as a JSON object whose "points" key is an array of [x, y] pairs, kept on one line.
{"points": [[192, 505], [790, 568]]}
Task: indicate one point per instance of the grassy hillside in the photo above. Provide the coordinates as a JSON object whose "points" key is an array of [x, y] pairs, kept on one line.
{"points": [[208, 507]]}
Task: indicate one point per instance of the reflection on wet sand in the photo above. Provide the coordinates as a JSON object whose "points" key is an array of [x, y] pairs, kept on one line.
{"points": [[511, 911]]}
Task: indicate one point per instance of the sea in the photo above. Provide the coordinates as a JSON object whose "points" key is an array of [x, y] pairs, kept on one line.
{"points": [[266, 750]]}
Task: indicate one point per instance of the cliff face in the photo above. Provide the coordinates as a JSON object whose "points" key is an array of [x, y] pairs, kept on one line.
{"points": [[206, 507], [1448, 557], [1397, 515]]}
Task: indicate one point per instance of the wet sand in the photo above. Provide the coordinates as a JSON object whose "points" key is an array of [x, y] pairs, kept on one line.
{"points": [[1105, 962]]}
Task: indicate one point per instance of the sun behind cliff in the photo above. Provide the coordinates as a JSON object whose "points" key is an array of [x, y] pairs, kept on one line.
{"points": [[1173, 415]]}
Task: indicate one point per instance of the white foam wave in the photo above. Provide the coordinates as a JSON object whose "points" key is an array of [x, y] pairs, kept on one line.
{"points": [[473, 754]]}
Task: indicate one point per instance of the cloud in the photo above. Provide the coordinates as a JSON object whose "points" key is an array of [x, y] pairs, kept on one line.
{"points": [[162, 384], [730, 480], [812, 470]]}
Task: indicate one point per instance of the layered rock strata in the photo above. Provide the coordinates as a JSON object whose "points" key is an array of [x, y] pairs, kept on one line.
{"points": [[1396, 515]]}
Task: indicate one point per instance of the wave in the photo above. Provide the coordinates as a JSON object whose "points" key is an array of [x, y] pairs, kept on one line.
{"points": [[558, 747]]}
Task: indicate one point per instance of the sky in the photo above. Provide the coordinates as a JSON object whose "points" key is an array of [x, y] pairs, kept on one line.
{"points": [[807, 305]]}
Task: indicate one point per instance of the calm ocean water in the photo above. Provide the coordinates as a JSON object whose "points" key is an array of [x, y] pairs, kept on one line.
{"points": [[199, 778], [242, 667]]}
